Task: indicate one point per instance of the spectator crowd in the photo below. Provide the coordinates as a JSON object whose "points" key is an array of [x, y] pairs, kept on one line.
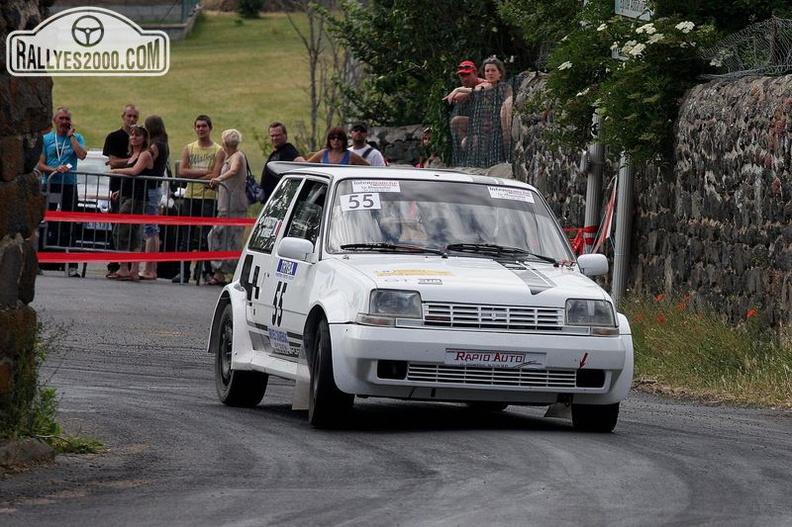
{"points": [[138, 162]]}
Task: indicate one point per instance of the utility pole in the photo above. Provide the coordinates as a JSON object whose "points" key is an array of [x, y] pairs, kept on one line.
{"points": [[621, 251], [596, 162]]}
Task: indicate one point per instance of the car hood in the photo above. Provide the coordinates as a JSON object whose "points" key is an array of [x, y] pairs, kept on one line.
{"points": [[477, 280]]}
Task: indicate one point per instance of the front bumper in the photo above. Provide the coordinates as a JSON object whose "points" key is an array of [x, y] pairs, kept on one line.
{"points": [[417, 356]]}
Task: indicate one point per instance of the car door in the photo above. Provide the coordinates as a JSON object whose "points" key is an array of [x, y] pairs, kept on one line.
{"points": [[258, 263], [287, 282]]}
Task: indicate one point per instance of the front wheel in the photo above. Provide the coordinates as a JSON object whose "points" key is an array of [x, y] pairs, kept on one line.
{"points": [[600, 418], [234, 387], [327, 405]]}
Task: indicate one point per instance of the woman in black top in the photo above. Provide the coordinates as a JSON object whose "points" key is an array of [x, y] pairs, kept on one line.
{"points": [[160, 153], [133, 200]]}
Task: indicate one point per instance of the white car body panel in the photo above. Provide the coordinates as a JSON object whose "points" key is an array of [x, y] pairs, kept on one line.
{"points": [[272, 317]]}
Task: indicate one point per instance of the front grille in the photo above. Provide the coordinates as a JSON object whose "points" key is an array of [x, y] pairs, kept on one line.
{"points": [[493, 317], [438, 373]]}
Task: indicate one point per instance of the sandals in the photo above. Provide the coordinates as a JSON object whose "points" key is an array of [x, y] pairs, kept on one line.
{"points": [[215, 281], [125, 277], [146, 276]]}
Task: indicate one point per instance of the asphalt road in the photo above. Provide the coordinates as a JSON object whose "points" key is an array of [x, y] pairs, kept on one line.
{"points": [[132, 371]]}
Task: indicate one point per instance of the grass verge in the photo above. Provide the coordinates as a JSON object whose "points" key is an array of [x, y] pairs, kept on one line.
{"points": [[683, 348], [29, 408]]}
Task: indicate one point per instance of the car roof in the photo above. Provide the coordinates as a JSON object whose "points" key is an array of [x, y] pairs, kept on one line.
{"points": [[338, 172]]}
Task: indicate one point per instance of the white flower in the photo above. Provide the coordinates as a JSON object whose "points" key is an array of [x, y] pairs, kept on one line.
{"points": [[628, 46], [716, 62], [637, 49], [685, 27], [657, 37], [647, 28], [565, 66], [582, 93], [602, 27], [614, 46], [566, 37]]}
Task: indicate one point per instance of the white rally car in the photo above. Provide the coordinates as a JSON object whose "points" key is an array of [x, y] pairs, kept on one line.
{"points": [[417, 284]]}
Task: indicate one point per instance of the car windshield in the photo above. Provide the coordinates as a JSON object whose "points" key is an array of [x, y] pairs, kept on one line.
{"points": [[474, 219]]}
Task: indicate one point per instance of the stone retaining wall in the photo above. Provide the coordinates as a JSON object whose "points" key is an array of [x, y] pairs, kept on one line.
{"points": [[25, 106], [718, 223]]}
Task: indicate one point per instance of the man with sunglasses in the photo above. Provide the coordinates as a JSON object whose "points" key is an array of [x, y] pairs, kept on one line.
{"points": [[361, 147]]}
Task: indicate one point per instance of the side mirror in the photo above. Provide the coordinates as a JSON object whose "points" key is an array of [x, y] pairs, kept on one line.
{"points": [[298, 249], [593, 264]]}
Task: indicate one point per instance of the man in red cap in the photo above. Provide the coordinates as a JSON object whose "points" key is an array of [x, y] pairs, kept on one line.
{"points": [[468, 76]]}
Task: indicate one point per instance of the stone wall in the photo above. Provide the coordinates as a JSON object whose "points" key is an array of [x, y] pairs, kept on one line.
{"points": [[25, 110], [718, 223]]}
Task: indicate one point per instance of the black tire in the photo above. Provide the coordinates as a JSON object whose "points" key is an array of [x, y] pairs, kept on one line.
{"points": [[600, 418], [327, 406], [234, 387], [487, 406]]}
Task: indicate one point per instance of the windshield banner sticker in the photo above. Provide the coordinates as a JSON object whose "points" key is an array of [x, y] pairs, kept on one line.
{"points": [[375, 186], [514, 194]]}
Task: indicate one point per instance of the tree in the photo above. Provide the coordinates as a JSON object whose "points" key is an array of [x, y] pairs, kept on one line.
{"points": [[326, 65], [408, 51]]}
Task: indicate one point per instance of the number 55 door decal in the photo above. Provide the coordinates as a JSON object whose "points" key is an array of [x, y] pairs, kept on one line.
{"points": [[277, 303]]}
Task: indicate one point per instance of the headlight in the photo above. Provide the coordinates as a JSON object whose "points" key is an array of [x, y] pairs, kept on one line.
{"points": [[590, 313], [386, 305]]}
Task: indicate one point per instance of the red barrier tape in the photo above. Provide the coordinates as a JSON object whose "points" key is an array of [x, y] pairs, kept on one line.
{"points": [[48, 257], [58, 215]]}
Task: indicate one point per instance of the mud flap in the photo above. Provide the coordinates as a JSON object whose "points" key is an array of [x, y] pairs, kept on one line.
{"points": [[302, 383], [561, 410]]}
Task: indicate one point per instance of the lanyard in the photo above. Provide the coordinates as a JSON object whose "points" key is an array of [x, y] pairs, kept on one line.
{"points": [[62, 149]]}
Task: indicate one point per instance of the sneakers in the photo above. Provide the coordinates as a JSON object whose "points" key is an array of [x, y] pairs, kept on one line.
{"points": [[74, 272], [178, 279]]}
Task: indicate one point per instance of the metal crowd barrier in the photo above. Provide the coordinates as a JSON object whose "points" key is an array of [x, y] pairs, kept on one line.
{"points": [[81, 219]]}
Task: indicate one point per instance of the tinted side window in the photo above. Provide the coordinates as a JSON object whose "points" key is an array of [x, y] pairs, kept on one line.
{"points": [[269, 223], [307, 216]]}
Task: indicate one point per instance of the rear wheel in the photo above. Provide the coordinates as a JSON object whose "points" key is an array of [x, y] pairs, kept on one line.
{"points": [[328, 405], [234, 387], [600, 418]]}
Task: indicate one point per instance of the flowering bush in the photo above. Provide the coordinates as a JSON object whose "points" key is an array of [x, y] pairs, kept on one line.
{"points": [[632, 71]]}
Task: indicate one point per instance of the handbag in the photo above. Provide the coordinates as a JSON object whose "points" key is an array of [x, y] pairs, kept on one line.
{"points": [[253, 190]]}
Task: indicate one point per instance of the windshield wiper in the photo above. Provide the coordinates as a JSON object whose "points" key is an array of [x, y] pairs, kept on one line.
{"points": [[395, 247], [497, 250]]}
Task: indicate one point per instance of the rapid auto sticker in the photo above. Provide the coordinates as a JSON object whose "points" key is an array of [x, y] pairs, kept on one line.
{"points": [[286, 269], [514, 194], [363, 186]]}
